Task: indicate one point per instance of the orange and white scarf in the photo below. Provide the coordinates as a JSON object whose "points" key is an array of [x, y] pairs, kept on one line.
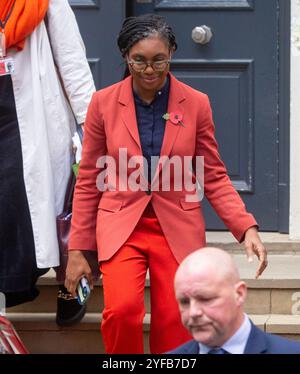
{"points": [[25, 17]]}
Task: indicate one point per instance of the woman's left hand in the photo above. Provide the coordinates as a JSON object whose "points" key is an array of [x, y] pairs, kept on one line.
{"points": [[254, 246]]}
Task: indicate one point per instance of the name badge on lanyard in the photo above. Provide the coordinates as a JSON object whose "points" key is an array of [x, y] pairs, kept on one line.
{"points": [[7, 65]]}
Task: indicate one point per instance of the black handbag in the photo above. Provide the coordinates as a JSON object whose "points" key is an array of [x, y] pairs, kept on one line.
{"points": [[63, 225]]}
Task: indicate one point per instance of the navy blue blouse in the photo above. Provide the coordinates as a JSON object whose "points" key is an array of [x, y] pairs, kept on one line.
{"points": [[151, 125]]}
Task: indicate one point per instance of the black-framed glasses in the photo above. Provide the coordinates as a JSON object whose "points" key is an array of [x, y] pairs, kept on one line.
{"points": [[141, 66]]}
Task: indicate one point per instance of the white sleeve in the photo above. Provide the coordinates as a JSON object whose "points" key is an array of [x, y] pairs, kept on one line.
{"points": [[69, 57]]}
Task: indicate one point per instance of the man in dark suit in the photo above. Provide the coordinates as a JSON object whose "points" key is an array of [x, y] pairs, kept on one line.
{"points": [[211, 299]]}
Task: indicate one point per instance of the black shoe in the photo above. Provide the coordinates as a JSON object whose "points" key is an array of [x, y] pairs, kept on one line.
{"points": [[69, 311]]}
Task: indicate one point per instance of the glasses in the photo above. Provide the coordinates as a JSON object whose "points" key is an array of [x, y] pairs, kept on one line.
{"points": [[141, 66]]}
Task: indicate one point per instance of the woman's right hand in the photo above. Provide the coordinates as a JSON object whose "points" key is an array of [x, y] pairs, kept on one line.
{"points": [[77, 268]]}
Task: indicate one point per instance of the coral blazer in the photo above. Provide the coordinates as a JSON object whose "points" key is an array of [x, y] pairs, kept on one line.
{"points": [[105, 220]]}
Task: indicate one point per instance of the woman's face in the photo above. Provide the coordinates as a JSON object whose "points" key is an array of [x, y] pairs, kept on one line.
{"points": [[152, 49]]}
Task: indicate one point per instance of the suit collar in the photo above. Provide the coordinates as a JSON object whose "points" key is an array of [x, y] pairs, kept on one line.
{"points": [[256, 342], [126, 94], [175, 105], [191, 348], [128, 111], [176, 97]]}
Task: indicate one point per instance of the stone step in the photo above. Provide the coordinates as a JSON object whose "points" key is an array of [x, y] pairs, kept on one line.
{"points": [[40, 333], [276, 292], [275, 242]]}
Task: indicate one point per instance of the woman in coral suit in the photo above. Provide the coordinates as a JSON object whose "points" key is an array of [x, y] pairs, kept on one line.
{"points": [[148, 114]]}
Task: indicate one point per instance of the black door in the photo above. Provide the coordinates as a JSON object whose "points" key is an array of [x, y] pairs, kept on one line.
{"points": [[239, 70]]}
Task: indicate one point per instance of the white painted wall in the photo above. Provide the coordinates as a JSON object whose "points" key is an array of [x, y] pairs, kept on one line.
{"points": [[295, 122]]}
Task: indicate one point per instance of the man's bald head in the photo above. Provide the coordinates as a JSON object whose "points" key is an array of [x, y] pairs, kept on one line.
{"points": [[212, 262], [210, 295]]}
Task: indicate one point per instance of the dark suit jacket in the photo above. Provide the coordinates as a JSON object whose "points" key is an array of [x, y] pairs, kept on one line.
{"points": [[258, 342]]}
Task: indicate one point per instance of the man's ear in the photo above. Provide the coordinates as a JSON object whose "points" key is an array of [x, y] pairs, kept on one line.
{"points": [[240, 293]]}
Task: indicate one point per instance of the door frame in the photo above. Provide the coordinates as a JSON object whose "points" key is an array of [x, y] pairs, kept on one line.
{"points": [[284, 93]]}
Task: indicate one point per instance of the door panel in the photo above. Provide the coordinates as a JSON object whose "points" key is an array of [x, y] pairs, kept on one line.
{"points": [[99, 22], [239, 70], [203, 4]]}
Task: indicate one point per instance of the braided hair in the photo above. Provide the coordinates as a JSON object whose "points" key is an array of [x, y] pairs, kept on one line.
{"points": [[137, 28]]}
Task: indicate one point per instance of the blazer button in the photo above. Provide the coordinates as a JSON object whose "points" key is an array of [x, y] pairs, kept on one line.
{"points": [[148, 192]]}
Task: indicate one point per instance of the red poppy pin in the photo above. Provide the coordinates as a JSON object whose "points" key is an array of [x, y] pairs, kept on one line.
{"points": [[175, 118]]}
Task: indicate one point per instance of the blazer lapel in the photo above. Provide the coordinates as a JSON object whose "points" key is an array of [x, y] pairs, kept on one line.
{"points": [[256, 342], [192, 348], [128, 111], [175, 105], [128, 115]]}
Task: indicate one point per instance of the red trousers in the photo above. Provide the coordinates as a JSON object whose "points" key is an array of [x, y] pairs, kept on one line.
{"points": [[124, 283]]}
